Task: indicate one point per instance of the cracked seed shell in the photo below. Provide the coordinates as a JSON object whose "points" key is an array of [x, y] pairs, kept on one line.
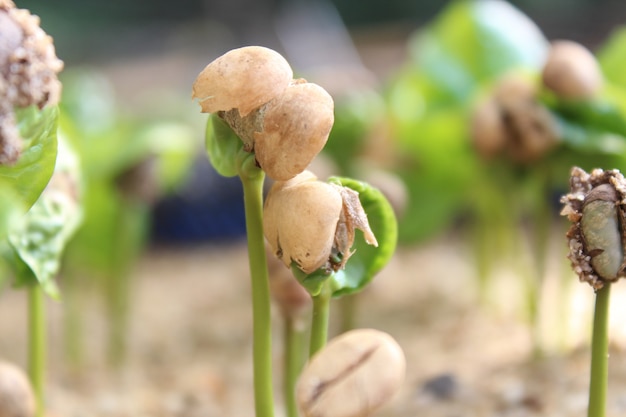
{"points": [[295, 129], [595, 206], [300, 219], [353, 375], [243, 79], [312, 223]]}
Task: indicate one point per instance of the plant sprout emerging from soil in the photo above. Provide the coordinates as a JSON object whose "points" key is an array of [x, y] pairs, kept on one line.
{"points": [[32, 241], [596, 208], [263, 122]]}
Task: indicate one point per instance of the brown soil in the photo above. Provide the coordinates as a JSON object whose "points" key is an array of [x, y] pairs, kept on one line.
{"points": [[190, 341]]}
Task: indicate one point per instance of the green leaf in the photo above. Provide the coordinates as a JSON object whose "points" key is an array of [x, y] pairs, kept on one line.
{"points": [[588, 139], [39, 240], [472, 42], [222, 146], [29, 176], [600, 114], [175, 145], [356, 114], [367, 260], [612, 57], [11, 210]]}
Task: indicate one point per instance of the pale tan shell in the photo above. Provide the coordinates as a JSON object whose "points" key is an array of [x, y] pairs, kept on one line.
{"points": [[571, 71], [243, 78], [300, 219], [488, 131], [16, 395], [296, 126], [355, 374]]}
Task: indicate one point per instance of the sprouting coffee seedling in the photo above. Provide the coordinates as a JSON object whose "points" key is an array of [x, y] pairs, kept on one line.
{"points": [[285, 122], [312, 223], [595, 206]]}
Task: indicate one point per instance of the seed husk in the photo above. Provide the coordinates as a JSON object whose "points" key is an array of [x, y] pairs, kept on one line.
{"points": [[243, 79], [16, 394], [595, 206], [355, 374], [571, 71]]}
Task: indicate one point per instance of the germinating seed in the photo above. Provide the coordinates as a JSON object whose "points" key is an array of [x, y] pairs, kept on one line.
{"points": [[601, 232], [353, 375]]}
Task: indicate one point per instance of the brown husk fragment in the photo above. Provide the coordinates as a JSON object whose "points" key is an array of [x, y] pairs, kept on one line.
{"points": [[513, 122], [581, 186], [28, 72]]}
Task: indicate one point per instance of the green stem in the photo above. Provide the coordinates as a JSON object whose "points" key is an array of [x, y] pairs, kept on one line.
{"points": [[599, 354], [294, 339], [72, 319], [348, 305], [319, 327], [252, 180], [37, 345], [128, 243]]}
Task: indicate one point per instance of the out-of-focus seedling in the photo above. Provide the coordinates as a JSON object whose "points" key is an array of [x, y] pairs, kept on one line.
{"points": [[128, 163], [41, 181]]}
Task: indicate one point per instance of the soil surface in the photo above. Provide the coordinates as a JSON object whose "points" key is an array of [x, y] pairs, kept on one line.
{"points": [[190, 340]]}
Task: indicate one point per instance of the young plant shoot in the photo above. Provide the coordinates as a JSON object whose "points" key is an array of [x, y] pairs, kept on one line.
{"points": [[264, 122], [40, 182], [595, 206]]}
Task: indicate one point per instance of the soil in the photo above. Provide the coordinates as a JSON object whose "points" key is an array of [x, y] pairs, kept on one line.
{"points": [[189, 347], [190, 340]]}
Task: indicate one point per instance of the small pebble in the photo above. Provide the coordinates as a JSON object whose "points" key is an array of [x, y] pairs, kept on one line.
{"points": [[441, 387]]}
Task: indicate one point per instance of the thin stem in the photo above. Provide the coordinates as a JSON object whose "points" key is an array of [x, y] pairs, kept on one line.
{"points": [[319, 327], [252, 180], [599, 354], [37, 345], [294, 339], [348, 305], [72, 319]]}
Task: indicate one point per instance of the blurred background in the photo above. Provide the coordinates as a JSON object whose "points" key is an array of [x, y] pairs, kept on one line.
{"points": [[151, 51], [479, 282]]}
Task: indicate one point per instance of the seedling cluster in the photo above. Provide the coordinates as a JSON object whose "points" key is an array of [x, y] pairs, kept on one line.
{"points": [[487, 126], [275, 127]]}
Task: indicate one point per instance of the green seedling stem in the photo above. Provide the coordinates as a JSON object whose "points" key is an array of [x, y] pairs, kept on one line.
{"points": [[599, 354], [321, 312], [252, 179], [37, 345], [118, 283], [294, 339]]}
